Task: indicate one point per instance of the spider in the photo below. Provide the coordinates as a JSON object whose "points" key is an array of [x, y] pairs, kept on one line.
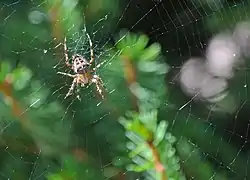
{"points": [[83, 73]]}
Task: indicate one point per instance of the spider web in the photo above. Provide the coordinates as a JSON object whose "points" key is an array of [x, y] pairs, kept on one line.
{"points": [[179, 22]]}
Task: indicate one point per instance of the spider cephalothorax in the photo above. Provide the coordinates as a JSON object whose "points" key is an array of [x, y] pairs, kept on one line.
{"points": [[83, 73]]}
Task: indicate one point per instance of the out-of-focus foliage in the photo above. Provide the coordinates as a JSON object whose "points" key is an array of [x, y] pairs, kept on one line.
{"points": [[44, 136], [227, 17], [71, 169]]}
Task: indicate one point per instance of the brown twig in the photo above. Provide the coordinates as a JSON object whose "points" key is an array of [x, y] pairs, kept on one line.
{"points": [[130, 76], [80, 154], [120, 176], [55, 23], [157, 162], [57, 32], [16, 145], [6, 90]]}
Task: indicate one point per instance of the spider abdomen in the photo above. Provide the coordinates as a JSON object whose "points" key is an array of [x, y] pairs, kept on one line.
{"points": [[80, 64]]}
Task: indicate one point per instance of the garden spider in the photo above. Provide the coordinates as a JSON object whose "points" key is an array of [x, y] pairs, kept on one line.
{"points": [[83, 73]]}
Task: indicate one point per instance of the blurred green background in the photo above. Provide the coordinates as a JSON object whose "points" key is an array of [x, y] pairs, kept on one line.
{"points": [[141, 46]]}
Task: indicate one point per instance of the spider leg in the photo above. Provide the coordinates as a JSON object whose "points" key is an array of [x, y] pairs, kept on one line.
{"points": [[99, 79], [92, 58], [66, 53], [66, 74], [99, 85], [71, 88]]}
